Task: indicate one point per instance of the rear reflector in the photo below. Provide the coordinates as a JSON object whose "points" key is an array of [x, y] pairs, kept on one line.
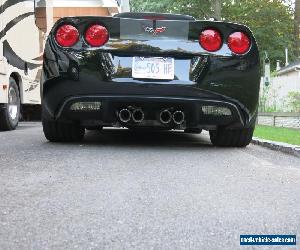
{"points": [[86, 106], [214, 110], [210, 40], [67, 35], [239, 42], [96, 35]]}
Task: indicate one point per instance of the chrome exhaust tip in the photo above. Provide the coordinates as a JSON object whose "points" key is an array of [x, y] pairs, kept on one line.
{"points": [[125, 115], [138, 115], [178, 117], [165, 116]]}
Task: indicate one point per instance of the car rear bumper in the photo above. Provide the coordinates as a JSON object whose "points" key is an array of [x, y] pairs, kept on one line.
{"points": [[57, 106]]}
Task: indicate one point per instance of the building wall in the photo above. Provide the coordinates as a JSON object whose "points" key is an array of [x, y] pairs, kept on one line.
{"points": [[56, 9], [279, 89], [59, 12]]}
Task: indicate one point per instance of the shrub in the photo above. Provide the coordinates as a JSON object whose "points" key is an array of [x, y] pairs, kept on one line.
{"points": [[294, 101]]}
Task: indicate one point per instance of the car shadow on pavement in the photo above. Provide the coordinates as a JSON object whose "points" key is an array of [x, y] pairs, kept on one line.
{"points": [[125, 137], [27, 125]]}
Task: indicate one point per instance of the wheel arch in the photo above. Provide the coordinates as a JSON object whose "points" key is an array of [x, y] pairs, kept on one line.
{"points": [[17, 77]]}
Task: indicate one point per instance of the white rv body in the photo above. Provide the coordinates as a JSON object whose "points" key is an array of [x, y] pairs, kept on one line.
{"points": [[20, 50], [22, 41]]}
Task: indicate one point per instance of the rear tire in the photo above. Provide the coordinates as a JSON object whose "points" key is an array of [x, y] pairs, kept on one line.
{"points": [[231, 138], [10, 112], [62, 132]]}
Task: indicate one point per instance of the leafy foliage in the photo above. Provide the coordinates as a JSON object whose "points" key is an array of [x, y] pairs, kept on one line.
{"points": [[294, 101], [194, 8]]}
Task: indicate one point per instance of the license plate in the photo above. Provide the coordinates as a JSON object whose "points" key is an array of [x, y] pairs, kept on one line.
{"points": [[153, 68]]}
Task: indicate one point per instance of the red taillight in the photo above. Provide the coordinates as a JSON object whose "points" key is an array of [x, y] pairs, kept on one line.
{"points": [[239, 42], [67, 35], [210, 40], [96, 35]]}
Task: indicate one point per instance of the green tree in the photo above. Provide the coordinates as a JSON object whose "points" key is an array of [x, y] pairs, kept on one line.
{"points": [[196, 8], [271, 22], [297, 27]]}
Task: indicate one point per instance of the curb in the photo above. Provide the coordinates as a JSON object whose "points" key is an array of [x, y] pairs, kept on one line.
{"points": [[278, 146]]}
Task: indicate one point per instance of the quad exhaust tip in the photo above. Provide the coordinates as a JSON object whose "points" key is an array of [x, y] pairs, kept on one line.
{"points": [[178, 117], [125, 115], [165, 116], [138, 115]]}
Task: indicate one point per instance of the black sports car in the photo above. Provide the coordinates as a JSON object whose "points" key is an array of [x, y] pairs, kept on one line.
{"points": [[150, 71]]}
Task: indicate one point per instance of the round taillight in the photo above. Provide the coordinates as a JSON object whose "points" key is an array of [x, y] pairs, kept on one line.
{"points": [[96, 35], [210, 40], [239, 42], [67, 35]]}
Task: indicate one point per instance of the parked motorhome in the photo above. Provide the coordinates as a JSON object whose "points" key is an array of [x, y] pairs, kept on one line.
{"points": [[24, 26]]}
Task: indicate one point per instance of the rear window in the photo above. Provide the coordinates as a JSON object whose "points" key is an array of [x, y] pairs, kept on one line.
{"points": [[154, 16]]}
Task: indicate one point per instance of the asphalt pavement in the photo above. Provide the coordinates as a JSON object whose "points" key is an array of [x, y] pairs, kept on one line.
{"points": [[120, 189]]}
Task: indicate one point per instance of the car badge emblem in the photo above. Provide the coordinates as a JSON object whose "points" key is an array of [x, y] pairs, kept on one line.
{"points": [[154, 31]]}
